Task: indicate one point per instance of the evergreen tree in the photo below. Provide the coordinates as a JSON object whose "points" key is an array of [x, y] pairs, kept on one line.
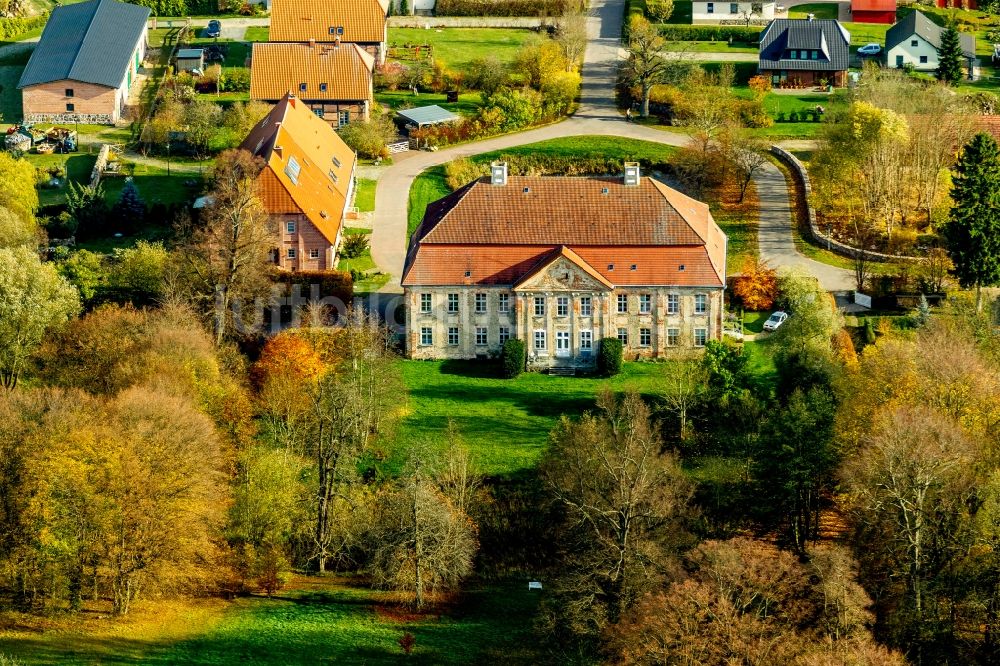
{"points": [[130, 209], [950, 56], [973, 230]]}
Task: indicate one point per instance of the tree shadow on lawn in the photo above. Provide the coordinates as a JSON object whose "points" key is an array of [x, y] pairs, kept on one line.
{"points": [[532, 402]]}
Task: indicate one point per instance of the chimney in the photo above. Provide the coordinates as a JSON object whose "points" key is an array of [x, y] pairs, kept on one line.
{"points": [[498, 173], [312, 43], [631, 174], [336, 42]]}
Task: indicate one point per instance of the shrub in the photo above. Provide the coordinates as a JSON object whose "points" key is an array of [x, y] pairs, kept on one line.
{"points": [[709, 33], [334, 284], [609, 357], [512, 358], [369, 139], [505, 7], [235, 79], [354, 245]]}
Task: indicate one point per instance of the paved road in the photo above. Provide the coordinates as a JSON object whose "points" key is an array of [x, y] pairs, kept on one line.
{"points": [[597, 115]]}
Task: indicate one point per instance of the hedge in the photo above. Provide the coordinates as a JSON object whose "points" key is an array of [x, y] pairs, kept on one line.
{"points": [[609, 357], [710, 33], [331, 284], [504, 7], [12, 28], [512, 358]]}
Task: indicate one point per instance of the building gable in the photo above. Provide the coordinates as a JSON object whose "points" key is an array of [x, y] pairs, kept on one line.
{"points": [[563, 270]]}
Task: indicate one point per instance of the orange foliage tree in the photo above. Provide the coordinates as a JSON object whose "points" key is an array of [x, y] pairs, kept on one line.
{"points": [[757, 286], [288, 356]]}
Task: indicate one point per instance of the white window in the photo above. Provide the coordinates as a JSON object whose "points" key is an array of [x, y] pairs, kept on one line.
{"points": [[453, 335], [700, 303], [645, 338], [504, 334], [673, 304], [622, 303], [539, 306], [711, 8], [425, 303], [673, 336], [481, 336], [290, 227], [426, 336], [700, 337], [540, 345], [480, 303], [562, 306], [586, 341], [645, 303], [452, 303], [503, 303], [585, 309], [291, 253], [623, 336], [314, 253]]}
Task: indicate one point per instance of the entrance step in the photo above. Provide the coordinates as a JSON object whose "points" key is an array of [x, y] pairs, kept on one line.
{"points": [[563, 372]]}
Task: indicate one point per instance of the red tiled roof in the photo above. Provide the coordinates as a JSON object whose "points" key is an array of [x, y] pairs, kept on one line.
{"points": [[302, 20], [503, 234], [320, 191], [440, 265], [565, 211]]}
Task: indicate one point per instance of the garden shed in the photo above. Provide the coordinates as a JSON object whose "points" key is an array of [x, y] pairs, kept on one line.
{"points": [[189, 59], [425, 116]]}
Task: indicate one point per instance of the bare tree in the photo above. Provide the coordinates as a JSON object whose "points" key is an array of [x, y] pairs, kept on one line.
{"points": [[746, 156], [571, 33], [224, 260], [646, 65], [684, 382], [622, 494]]}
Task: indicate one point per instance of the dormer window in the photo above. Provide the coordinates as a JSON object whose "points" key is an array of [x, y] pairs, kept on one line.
{"points": [[303, 87], [633, 267], [336, 30], [611, 267], [527, 189], [468, 274], [322, 87], [681, 267], [604, 190]]}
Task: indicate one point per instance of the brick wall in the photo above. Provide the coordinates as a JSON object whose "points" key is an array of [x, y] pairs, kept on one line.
{"points": [[92, 103], [306, 237]]}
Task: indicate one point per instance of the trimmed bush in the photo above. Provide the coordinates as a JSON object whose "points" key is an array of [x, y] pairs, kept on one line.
{"points": [[512, 358], [710, 33], [609, 357], [504, 7]]}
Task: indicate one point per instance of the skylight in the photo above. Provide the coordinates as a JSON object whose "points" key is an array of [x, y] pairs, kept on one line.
{"points": [[292, 170]]}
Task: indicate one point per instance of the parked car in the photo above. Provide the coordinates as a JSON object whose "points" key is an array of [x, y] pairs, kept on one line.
{"points": [[870, 50], [775, 321], [214, 28]]}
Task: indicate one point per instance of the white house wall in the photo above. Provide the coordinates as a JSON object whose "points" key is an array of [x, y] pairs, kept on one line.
{"points": [[722, 13], [911, 54]]}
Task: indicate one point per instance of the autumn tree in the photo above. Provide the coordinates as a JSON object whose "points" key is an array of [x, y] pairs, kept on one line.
{"points": [[757, 285], [223, 262], [746, 156], [16, 230], [645, 66], [17, 187], [973, 230], [34, 299], [684, 383], [624, 500], [423, 542]]}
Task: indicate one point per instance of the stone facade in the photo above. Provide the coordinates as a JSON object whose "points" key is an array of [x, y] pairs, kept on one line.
{"points": [[561, 315]]}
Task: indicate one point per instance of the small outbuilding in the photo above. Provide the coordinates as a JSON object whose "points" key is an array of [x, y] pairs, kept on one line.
{"points": [[873, 11], [425, 116], [189, 59]]}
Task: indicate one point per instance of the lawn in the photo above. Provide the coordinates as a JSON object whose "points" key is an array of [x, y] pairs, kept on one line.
{"points": [[431, 185], [866, 33], [822, 10], [78, 167], [364, 194], [468, 102], [457, 47], [315, 621], [504, 422], [256, 34], [739, 222]]}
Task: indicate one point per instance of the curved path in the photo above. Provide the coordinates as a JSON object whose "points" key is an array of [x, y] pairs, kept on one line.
{"points": [[597, 115]]}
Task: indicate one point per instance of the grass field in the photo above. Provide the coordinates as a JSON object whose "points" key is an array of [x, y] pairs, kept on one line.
{"points": [[457, 47], [427, 187], [256, 34], [505, 423], [364, 195], [316, 621], [822, 10]]}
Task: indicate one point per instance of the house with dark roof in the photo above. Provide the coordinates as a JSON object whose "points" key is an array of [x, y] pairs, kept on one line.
{"points": [[85, 63], [560, 263], [805, 52], [915, 40], [307, 184]]}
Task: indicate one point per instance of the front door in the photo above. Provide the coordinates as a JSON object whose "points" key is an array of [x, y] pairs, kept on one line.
{"points": [[562, 343], [899, 61]]}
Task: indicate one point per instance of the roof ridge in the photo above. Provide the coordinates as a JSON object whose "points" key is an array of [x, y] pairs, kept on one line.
{"points": [[83, 40]]}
